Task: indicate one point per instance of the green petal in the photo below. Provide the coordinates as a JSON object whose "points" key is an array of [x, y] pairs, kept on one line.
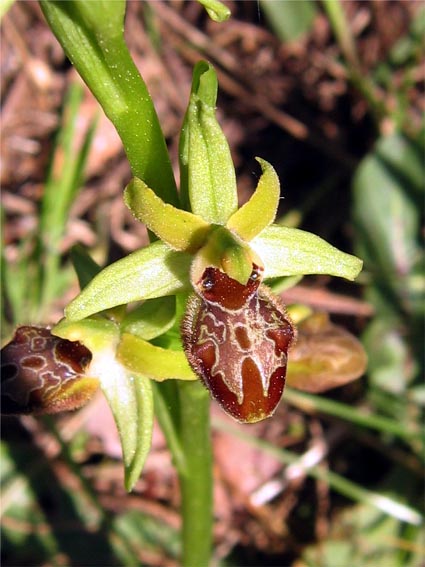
{"points": [[207, 174], [260, 210], [289, 252], [151, 272], [158, 363], [179, 229]]}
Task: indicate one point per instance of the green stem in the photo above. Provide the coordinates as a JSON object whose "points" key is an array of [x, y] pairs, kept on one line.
{"points": [[91, 34], [166, 412], [196, 481]]}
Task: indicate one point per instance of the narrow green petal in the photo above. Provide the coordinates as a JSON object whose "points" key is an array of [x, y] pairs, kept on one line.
{"points": [[179, 229], [289, 252], [260, 210], [151, 272], [158, 363]]}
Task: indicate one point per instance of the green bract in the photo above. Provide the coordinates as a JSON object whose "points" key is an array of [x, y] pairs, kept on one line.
{"points": [[128, 393]]}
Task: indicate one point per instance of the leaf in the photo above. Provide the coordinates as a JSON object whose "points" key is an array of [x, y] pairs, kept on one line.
{"points": [[158, 363], [216, 10], [289, 20], [84, 265], [179, 229], [289, 251], [151, 272], [260, 210], [391, 366], [387, 219], [151, 319], [207, 174]]}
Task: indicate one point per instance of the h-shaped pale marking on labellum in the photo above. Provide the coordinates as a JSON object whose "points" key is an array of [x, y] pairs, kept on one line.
{"points": [[236, 338]]}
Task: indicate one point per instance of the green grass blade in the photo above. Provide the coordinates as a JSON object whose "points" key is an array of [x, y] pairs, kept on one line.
{"points": [[309, 402]]}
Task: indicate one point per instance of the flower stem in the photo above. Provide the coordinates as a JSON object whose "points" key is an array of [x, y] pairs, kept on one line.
{"points": [[196, 480]]}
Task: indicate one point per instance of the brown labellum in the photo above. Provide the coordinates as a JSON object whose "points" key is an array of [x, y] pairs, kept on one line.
{"points": [[236, 338], [42, 374]]}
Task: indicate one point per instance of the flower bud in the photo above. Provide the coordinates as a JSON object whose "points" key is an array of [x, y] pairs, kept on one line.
{"points": [[44, 374], [236, 338]]}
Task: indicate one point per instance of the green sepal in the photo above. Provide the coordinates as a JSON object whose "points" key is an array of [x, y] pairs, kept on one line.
{"points": [[179, 229], [150, 272], [207, 174], [216, 10], [260, 211], [130, 398], [290, 251], [155, 362], [151, 319]]}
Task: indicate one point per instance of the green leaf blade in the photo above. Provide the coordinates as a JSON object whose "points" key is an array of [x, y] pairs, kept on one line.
{"points": [[216, 10], [289, 20]]}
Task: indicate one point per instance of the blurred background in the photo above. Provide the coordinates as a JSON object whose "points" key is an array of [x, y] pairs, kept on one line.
{"points": [[336, 104]]}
